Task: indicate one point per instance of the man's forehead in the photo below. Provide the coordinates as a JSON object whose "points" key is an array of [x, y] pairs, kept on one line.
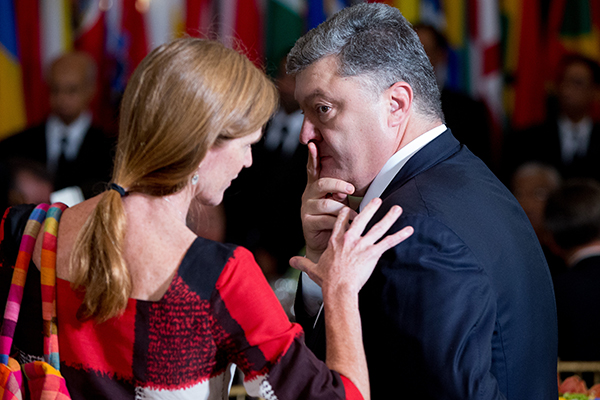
{"points": [[314, 79]]}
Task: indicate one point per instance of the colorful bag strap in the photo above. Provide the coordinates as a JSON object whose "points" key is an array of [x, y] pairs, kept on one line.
{"points": [[15, 295], [48, 280], [51, 215]]}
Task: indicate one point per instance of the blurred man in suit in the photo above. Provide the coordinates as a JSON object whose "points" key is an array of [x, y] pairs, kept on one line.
{"points": [[572, 217], [531, 184], [464, 309], [569, 140], [75, 153]]}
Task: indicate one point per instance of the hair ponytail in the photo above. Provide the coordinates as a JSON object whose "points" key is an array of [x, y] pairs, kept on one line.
{"points": [[97, 259]]}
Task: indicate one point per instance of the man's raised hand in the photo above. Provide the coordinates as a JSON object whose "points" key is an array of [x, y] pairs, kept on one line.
{"points": [[322, 201]]}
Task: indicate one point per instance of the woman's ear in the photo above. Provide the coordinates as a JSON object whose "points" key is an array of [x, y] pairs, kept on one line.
{"points": [[399, 97]]}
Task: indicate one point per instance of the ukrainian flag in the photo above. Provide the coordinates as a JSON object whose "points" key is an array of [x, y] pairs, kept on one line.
{"points": [[12, 105]]}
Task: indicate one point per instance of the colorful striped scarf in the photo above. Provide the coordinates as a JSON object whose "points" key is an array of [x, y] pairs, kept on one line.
{"points": [[43, 377]]}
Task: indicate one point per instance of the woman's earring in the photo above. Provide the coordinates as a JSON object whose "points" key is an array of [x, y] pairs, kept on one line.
{"points": [[195, 179]]}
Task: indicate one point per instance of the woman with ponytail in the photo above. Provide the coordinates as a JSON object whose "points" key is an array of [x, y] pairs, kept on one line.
{"points": [[148, 310]]}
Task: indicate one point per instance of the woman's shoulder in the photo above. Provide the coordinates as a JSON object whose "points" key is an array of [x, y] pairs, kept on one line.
{"points": [[205, 261]]}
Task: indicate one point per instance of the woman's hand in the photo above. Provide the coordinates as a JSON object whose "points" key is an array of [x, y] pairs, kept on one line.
{"points": [[342, 270], [350, 258]]}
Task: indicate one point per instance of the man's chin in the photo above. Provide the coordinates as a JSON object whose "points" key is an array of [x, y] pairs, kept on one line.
{"points": [[335, 174]]}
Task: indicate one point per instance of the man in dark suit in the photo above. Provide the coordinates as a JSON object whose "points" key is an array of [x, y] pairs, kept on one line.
{"points": [[573, 219], [569, 140], [464, 309], [75, 153]]}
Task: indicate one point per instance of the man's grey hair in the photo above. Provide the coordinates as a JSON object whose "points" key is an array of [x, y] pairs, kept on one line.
{"points": [[376, 42]]}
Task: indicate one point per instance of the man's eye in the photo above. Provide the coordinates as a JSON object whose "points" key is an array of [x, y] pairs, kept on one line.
{"points": [[323, 109]]}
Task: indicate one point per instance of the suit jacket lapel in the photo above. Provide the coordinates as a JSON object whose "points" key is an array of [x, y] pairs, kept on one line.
{"points": [[436, 151]]}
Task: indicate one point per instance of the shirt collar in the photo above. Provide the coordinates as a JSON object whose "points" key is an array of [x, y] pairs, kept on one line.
{"points": [[396, 162], [585, 125], [76, 130], [81, 124]]}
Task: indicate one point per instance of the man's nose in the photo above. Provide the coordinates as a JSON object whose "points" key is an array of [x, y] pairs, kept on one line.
{"points": [[309, 132]]}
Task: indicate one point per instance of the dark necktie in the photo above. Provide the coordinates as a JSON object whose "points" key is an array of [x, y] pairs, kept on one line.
{"points": [[62, 163], [283, 137]]}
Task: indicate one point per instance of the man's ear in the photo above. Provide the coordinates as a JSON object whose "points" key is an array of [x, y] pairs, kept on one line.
{"points": [[399, 97]]}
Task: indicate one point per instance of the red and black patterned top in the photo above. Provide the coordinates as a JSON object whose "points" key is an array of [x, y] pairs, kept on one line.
{"points": [[219, 310]]}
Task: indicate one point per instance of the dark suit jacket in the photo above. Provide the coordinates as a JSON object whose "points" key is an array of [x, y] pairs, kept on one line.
{"points": [[542, 144], [464, 308], [577, 302], [90, 170]]}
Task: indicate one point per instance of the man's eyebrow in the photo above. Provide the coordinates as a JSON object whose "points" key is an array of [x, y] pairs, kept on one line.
{"points": [[315, 93]]}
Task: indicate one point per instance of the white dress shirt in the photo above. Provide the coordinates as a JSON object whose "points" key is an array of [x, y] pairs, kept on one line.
{"points": [[311, 292], [574, 137], [275, 136], [75, 133]]}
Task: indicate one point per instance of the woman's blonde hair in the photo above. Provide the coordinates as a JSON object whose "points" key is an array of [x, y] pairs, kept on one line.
{"points": [[185, 97]]}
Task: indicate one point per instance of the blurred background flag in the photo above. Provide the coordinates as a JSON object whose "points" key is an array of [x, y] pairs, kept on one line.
{"points": [[485, 68], [27, 14], [574, 26], [524, 62], [504, 52], [316, 13], [456, 34], [432, 13], [285, 24], [198, 15], [12, 104], [319, 10], [90, 37], [165, 21], [241, 27], [56, 29], [133, 32]]}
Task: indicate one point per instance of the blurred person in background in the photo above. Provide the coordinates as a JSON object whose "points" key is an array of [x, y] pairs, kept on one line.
{"points": [[29, 182], [531, 184], [572, 218], [75, 153], [569, 140]]}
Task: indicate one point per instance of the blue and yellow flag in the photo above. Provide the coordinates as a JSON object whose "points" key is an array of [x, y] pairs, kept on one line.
{"points": [[12, 104]]}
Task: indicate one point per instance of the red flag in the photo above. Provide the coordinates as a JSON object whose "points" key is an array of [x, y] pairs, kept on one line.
{"points": [[248, 28], [90, 37], [134, 32], [198, 17], [34, 88], [530, 94]]}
